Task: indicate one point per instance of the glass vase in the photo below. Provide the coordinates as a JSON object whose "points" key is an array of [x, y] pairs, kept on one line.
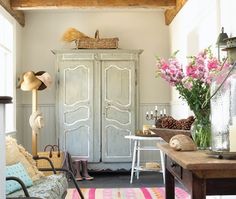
{"points": [[201, 133], [223, 108]]}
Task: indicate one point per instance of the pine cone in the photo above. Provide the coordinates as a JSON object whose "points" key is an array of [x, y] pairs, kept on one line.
{"points": [[186, 123], [175, 125], [179, 124], [168, 122], [159, 121]]}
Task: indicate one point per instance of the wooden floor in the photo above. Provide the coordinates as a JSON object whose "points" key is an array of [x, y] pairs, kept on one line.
{"points": [[121, 180]]}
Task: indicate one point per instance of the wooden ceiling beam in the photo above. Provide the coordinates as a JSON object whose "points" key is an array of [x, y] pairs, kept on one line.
{"points": [[18, 15], [171, 13], [49, 4]]}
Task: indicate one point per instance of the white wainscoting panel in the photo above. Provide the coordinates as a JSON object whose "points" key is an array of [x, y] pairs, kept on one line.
{"points": [[47, 134], [148, 107], [149, 156], [19, 124]]}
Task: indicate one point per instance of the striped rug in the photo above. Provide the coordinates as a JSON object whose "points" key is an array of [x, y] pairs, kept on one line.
{"points": [[126, 193]]}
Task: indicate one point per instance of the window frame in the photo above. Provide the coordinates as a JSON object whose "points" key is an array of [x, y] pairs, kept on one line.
{"points": [[12, 21]]}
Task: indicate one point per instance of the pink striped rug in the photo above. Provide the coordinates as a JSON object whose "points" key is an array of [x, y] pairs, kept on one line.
{"points": [[126, 193]]}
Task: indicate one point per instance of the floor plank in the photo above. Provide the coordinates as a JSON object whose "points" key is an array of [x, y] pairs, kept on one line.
{"points": [[121, 180]]}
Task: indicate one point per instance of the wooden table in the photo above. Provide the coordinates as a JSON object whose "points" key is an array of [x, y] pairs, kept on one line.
{"points": [[200, 174]]}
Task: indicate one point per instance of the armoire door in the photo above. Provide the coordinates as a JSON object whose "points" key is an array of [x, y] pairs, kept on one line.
{"points": [[76, 108], [118, 106]]}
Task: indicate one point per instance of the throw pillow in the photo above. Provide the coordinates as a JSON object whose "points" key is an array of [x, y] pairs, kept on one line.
{"points": [[17, 170], [16, 153]]}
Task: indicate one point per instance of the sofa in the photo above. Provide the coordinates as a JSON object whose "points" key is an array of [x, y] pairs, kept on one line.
{"points": [[25, 179]]}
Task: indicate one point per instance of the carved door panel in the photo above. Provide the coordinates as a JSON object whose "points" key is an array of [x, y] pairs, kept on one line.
{"points": [[76, 109], [118, 106]]}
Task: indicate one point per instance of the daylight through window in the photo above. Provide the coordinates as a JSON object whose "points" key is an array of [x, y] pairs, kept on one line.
{"points": [[7, 68]]}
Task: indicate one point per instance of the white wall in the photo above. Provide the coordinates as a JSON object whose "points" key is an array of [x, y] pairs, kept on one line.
{"points": [[17, 62], [142, 29], [195, 27], [136, 30], [18, 71], [227, 16]]}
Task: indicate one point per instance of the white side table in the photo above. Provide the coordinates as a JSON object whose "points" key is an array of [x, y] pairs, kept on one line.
{"points": [[136, 154]]}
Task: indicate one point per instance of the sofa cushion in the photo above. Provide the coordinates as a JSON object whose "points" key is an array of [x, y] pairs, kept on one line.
{"points": [[17, 170], [48, 187], [16, 153]]}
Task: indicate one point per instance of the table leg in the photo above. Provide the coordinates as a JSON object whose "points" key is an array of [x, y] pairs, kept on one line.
{"points": [[163, 165], [169, 185], [198, 188], [133, 162], [138, 159]]}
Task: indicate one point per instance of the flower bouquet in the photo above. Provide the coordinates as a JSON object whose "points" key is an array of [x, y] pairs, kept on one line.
{"points": [[193, 84]]}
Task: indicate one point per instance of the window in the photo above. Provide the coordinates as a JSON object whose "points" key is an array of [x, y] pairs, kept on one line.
{"points": [[7, 68]]}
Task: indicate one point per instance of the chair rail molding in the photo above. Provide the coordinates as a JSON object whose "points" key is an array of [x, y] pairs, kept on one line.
{"points": [[48, 134], [147, 107]]}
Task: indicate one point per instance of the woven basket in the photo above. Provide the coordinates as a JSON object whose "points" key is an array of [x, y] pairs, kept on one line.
{"points": [[56, 159], [105, 43], [55, 155]]}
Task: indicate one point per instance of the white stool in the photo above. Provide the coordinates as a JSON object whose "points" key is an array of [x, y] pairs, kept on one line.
{"points": [[137, 148]]}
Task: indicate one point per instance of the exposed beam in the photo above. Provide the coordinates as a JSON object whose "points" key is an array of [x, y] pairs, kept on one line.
{"points": [[171, 13], [18, 15], [42, 4]]}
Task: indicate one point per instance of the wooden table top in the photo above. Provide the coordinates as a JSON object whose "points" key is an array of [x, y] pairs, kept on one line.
{"points": [[135, 137], [197, 160]]}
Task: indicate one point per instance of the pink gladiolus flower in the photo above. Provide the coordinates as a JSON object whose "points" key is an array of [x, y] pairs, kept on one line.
{"points": [[170, 70], [213, 64], [200, 70]]}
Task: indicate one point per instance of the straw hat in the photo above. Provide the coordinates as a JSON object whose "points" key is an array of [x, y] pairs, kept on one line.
{"points": [[36, 121], [29, 81], [45, 78]]}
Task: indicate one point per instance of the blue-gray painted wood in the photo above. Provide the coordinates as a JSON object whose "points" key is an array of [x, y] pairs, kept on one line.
{"points": [[75, 103], [97, 102], [118, 104]]}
